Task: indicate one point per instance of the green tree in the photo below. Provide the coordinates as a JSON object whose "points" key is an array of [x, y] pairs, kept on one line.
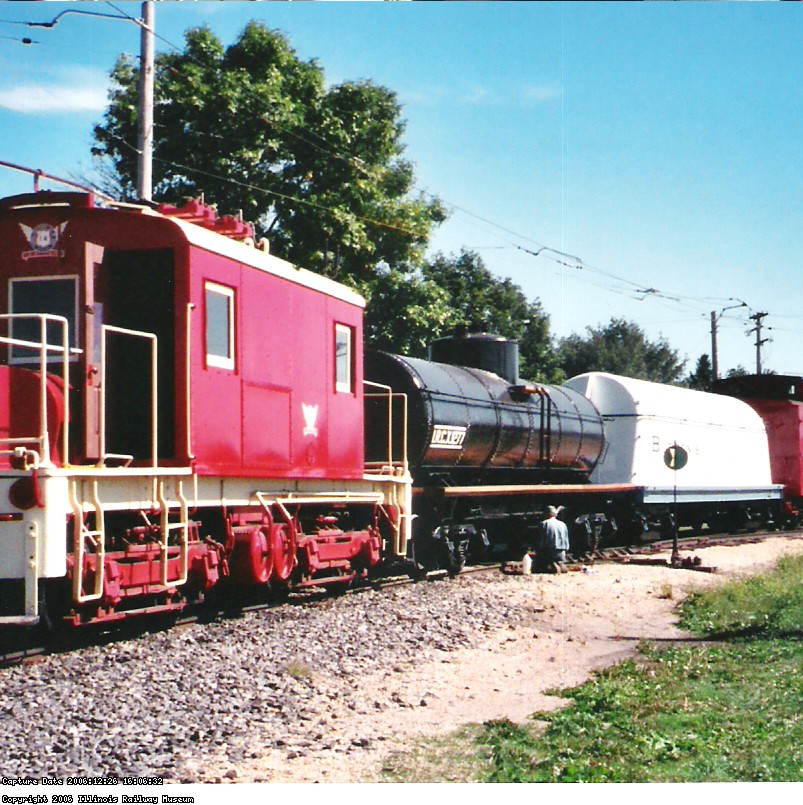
{"points": [[410, 309], [254, 127], [737, 371], [485, 303], [620, 347], [702, 376], [405, 312]]}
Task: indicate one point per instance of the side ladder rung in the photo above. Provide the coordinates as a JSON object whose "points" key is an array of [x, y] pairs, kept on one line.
{"points": [[82, 533], [183, 525], [19, 620]]}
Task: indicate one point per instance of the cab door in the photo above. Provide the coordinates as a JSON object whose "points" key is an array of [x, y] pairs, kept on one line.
{"points": [[92, 321]]}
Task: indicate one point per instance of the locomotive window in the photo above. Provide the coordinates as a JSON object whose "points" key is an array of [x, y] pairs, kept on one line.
{"points": [[219, 326], [343, 358], [56, 296]]}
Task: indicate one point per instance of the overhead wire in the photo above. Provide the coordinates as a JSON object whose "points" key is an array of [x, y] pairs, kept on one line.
{"points": [[265, 190], [549, 252], [623, 285], [639, 291]]}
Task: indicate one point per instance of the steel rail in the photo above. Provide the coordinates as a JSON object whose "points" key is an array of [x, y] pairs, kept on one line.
{"points": [[104, 633]]}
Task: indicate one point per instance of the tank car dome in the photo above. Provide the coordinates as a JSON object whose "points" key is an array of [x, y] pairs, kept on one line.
{"points": [[486, 351]]}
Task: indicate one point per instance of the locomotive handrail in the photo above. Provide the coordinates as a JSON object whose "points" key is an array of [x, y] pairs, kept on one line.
{"points": [[43, 347], [390, 395], [30, 458], [19, 342], [80, 535], [105, 330], [188, 381]]}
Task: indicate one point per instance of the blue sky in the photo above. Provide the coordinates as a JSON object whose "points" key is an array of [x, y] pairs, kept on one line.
{"points": [[659, 143]]}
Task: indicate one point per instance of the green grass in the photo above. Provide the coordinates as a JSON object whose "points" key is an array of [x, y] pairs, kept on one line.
{"points": [[768, 605], [727, 713], [726, 708]]}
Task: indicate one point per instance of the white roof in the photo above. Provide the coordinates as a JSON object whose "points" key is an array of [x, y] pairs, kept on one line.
{"points": [[250, 256], [624, 396], [725, 440]]}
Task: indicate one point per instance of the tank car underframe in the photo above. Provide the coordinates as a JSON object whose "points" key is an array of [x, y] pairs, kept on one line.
{"points": [[458, 525], [90, 545]]}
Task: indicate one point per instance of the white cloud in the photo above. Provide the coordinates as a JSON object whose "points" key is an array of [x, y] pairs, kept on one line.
{"points": [[422, 97], [527, 96], [479, 95], [542, 93], [73, 90]]}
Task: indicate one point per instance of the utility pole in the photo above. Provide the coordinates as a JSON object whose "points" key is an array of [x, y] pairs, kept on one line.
{"points": [[145, 162], [715, 317], [714, 357], [145, 137], [758, 318]]}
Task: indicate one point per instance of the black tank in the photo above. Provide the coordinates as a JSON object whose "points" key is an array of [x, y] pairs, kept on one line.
{"points": [[468, 423]]}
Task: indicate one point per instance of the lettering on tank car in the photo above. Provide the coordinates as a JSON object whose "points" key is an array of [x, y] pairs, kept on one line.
{"points": [[448, 437]]}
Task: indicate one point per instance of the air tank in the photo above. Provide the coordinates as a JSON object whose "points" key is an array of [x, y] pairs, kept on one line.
{"points": [[462, 419]]}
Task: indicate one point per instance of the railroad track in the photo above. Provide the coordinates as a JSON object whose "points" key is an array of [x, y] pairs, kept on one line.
{"points": [[34, 648]]}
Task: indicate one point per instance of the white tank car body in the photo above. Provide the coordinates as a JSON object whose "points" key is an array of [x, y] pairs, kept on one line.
{"points": [[725, 439]]}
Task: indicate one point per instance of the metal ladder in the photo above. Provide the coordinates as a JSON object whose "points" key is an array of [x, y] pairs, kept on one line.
{"points": [[181, 524], [93, 541], [95, 538]]}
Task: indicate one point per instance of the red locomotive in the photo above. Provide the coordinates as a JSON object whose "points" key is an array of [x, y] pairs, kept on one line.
{"points": [[176, 405]]}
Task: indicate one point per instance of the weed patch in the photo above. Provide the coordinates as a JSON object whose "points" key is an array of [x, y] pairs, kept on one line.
{"points": [[728, 711], [768, 605]]}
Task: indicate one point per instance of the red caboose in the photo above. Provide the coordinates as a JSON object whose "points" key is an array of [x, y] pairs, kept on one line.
{"points": [[778, 399], [176, 404]]}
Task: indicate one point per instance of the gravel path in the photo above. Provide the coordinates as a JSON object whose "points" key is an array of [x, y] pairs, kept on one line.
{"points": [[165, 704], [327, 690]]}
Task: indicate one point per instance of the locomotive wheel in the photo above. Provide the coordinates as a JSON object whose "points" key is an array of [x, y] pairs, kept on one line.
{"points": [[455, 556], [252, 559], [283, 546]]}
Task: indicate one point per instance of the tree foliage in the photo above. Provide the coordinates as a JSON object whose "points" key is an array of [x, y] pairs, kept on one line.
{"points": [[620, 347], [405, 312], [738, 371], [255, 128], [409, 310], [703, 375]]}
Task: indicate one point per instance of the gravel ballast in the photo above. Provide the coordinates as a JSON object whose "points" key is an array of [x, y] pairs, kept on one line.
{"points": [[179, 703]]}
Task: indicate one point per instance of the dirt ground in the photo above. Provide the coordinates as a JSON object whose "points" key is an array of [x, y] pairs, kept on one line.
{"points": [[576, 623]]}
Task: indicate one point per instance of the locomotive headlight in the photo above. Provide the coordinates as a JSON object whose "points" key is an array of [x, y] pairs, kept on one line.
{"points": [[24, 494]]}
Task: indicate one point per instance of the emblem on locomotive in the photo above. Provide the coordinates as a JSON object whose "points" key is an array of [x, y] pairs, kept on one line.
{"points": [[310, 417], [43, 239], [448, 437]]}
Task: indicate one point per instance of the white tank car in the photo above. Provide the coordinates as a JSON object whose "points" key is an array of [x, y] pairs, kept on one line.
{"points": [[724, 440]]}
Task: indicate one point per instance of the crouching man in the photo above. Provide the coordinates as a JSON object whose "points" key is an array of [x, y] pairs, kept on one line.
{"points": [[554, 543]]}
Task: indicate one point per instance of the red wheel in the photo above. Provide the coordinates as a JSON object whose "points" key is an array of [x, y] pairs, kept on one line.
{"points": [[283, 546], [252, 559]]}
